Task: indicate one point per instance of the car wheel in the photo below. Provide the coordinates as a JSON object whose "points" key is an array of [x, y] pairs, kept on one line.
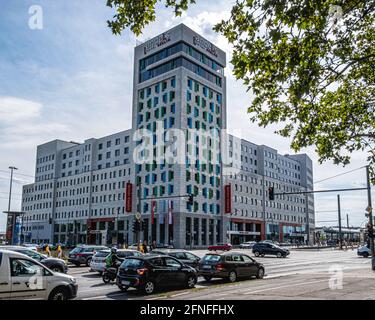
{"points": [[232, 276], [260, 273], [106, 278], [365, 255], [88, 262], [207, 278], [149, 287], [123, 288], [59, 294], [191, 281], [100, 273], [256, 253], [279, 255], [57, 269]]}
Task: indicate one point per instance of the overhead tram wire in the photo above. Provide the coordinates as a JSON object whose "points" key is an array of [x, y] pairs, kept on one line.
{"points": [[19, 174], [339, 175]]}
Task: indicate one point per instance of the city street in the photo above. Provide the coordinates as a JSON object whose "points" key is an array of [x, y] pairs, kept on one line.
{"points": [[305, 274]]}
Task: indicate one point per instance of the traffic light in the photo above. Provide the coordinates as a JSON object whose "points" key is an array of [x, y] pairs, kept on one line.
{"points": [[191, 199], [144, 225], [136, 226], [271, 193]]}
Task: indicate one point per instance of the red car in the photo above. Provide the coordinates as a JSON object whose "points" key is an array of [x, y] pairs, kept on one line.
{"points": [[220, 246]]}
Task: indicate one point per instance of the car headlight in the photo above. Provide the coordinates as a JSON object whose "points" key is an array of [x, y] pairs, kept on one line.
{"points": [[73, 280]]}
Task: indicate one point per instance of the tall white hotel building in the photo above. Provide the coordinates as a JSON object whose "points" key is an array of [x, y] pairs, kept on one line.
{"points": [[80, 188]]}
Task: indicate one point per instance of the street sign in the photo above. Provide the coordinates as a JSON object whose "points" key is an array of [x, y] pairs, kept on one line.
{"points": [[369, 209]]}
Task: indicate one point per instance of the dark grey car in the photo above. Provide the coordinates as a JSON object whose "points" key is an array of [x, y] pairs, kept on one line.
{"points": [[57, 265], [83, 254], [184, 256], [265, 248]]}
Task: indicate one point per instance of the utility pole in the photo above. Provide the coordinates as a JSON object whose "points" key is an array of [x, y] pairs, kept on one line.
{"points": [[371, 222], [347, 221], [339, 213], [138, 215], [11, 185]]}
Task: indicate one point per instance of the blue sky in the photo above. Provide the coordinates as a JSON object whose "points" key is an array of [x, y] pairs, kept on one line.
{"points": [[72, 80]]}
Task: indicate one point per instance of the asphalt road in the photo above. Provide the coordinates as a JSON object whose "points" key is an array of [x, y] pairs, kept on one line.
{"points": [[324, 274]]}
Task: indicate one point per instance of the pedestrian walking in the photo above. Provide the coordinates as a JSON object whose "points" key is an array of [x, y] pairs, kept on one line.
{"points": [[59, 252], [145, 248], [48, 251]]}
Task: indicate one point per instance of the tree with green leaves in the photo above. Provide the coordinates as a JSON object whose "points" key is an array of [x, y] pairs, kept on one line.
{"points": [[310, 65]]}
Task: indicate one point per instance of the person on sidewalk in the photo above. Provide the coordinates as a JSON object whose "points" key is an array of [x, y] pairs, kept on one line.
{"points": [[59, 252]]}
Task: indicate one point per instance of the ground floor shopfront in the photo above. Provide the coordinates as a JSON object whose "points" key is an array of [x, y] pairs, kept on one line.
{"points": [[182, 231], [243, 230]]}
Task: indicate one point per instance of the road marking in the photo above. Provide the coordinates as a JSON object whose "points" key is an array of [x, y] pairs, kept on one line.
{"points": [[180, 294], [108, 296], [284, 286]]}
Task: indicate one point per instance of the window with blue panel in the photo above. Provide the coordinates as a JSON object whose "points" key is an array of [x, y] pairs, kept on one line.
{"points": [[157, 88], [188, 96], [164, 177], [171, 122], [204, 207], [165, 98], [173, 108], [145, 192], [196, 112], [190, 123], [147, 179], [170, 189], [173, 82], [156, 101]]}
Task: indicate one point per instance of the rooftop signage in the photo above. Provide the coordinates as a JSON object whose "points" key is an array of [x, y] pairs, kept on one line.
{"points": [[205, 45], [157, 42]]}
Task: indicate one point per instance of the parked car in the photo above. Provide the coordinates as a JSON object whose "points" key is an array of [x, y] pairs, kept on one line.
{"points": [[270, 241], [265, 248], [22, 277], [220, 246], [57, 265], [364, 251], [150, 272], [230, 266], [184, 256], [83, 254], [247, 245], [30, 246], [98, 260]]}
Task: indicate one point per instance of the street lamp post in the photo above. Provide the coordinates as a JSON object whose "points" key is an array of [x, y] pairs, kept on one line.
{"points": [[11, 185]]}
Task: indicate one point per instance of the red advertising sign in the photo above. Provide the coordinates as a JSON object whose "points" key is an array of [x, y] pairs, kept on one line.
{"points": [[228, 198], [128, 197]]}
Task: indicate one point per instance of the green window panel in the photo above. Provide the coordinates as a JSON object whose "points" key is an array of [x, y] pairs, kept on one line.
{"points": [[170, 175], [149, 103], [188, 175]]}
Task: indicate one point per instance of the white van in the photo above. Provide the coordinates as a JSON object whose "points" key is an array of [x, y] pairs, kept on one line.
{"points": [[24, 278]]}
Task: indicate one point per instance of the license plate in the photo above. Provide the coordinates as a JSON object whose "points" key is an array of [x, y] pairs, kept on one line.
{"points": [[206, 267], [126, 283]]}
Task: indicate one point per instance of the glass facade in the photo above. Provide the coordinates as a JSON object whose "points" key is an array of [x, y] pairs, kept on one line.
{"points": [[176, 63]]}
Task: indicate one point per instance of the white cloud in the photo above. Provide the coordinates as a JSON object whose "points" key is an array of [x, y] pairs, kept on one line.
{"points": [[14, 109]]}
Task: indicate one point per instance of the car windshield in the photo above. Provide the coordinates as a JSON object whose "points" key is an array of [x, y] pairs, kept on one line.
{"points": [[132, 263], [33, 254], [102, 254], [211, 258], [77, 250]]}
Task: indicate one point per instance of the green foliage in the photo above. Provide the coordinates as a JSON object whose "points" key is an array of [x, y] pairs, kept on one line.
{"points": [[136, 14], [309, 64]]}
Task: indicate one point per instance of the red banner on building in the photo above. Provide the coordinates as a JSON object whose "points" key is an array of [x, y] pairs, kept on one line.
{"points": [[153, 205], [129, 197], [228, 198]]}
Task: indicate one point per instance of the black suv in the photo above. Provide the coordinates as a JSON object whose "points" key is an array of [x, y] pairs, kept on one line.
{"points": [[150, 272], [229, 265], [184, 256], [83, 254], [263, 248]]}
